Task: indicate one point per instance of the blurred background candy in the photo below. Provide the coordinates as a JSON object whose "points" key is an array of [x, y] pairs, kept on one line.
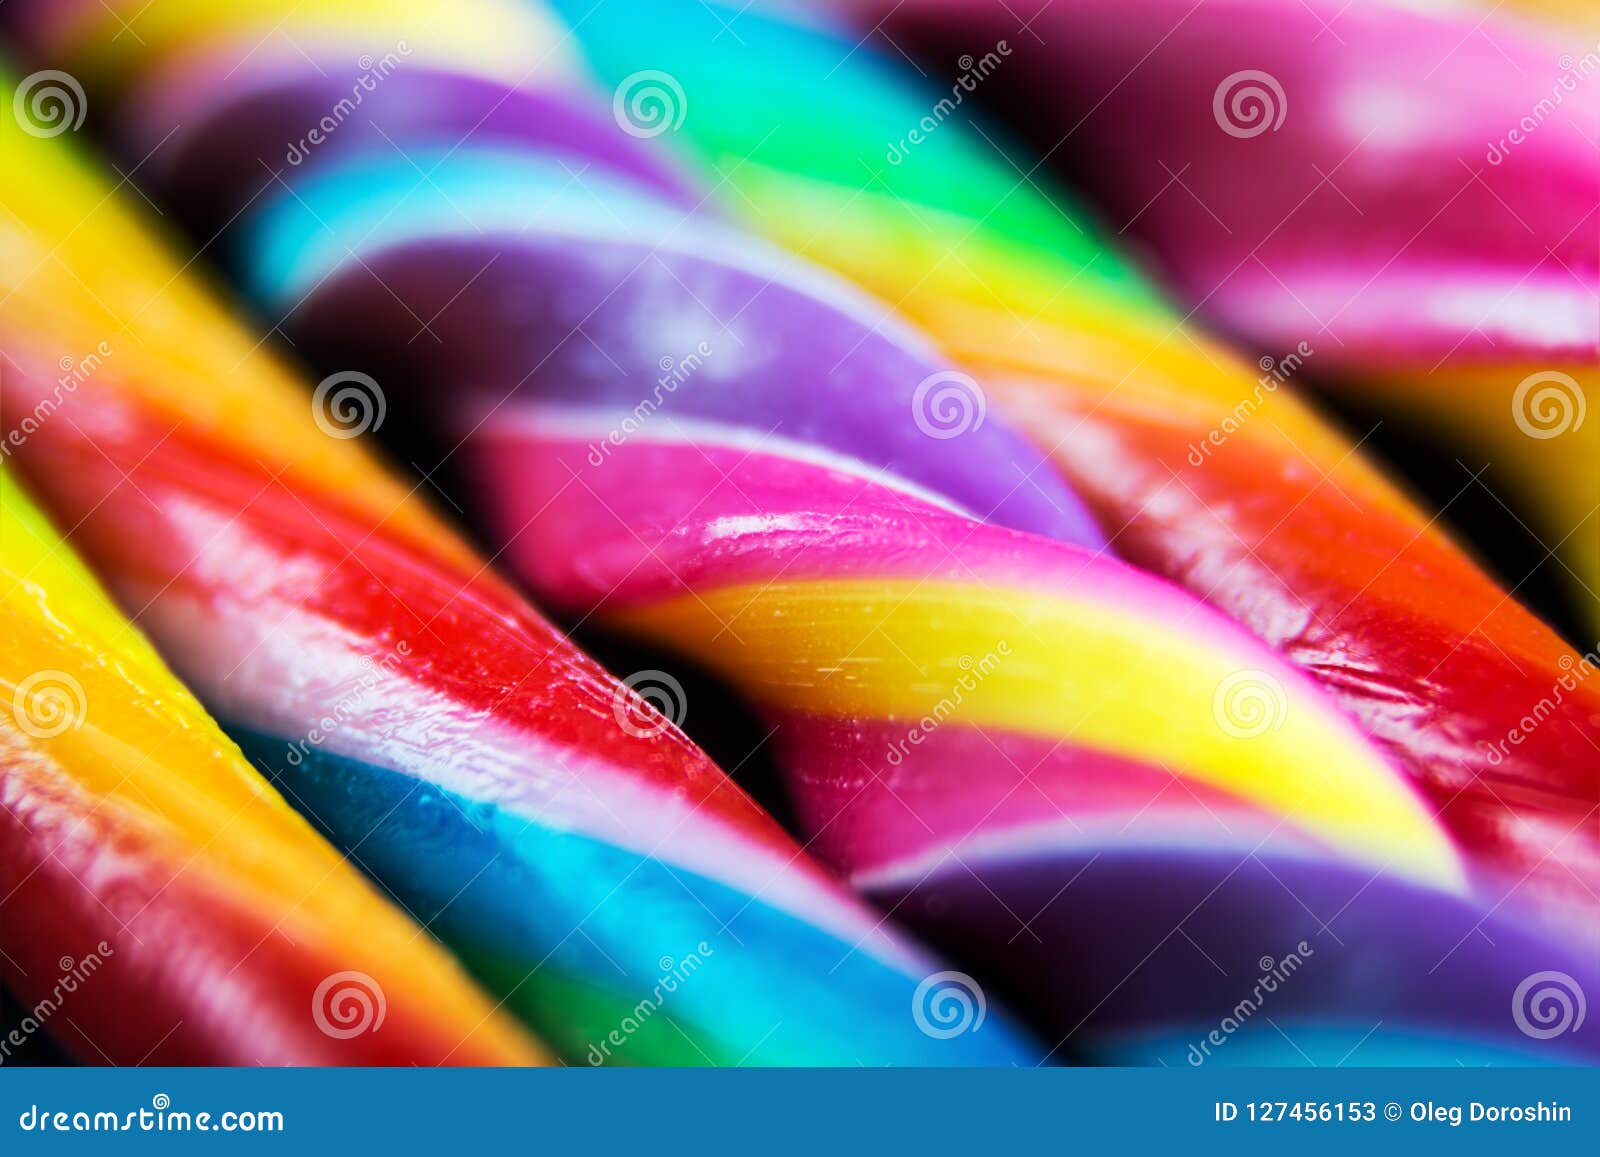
{"points": [[1413, 190], [547, 821], [947, 524]]}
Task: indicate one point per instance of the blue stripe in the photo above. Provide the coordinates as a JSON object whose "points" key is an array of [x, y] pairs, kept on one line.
{"points": [[537, 911]]}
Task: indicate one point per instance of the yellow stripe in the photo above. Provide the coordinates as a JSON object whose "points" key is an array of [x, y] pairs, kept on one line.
{"points": [[84, 688], [503, 39], [1048, 346], [1102, 677], [1023, 323], [80, 273]]}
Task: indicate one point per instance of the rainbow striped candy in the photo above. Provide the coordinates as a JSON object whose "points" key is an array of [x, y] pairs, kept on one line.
{"points": [[1414, 191], [596, 871], [1203, 470], [1099, 753], [163, 904]]}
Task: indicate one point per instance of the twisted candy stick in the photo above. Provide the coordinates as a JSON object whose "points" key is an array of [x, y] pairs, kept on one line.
{"points": [[562, 836], [1207, 472], [1414, 192], [1104, 737], [163, 904]]}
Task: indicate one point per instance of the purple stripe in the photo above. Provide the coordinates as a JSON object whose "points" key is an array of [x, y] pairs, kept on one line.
{"points": [[531, 315]]}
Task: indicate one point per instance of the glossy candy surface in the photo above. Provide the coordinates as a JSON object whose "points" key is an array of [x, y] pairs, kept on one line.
{"points": [[1068, 772], [565, 839], [1199, 467], [1412, 189], [711, 445], [163, 905]]}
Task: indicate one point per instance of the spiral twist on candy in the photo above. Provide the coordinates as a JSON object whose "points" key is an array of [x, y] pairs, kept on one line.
{"points": [[1047, 760], [716, 447], [1202, 469], [1414, 192], [177, 907], [547, 822]]}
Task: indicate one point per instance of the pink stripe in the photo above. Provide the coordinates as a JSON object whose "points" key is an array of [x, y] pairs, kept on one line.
{"points": [[883, 794], [714, 517]]}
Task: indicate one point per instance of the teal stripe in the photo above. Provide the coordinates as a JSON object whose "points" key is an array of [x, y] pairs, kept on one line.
{"points": [[587, 939]]}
